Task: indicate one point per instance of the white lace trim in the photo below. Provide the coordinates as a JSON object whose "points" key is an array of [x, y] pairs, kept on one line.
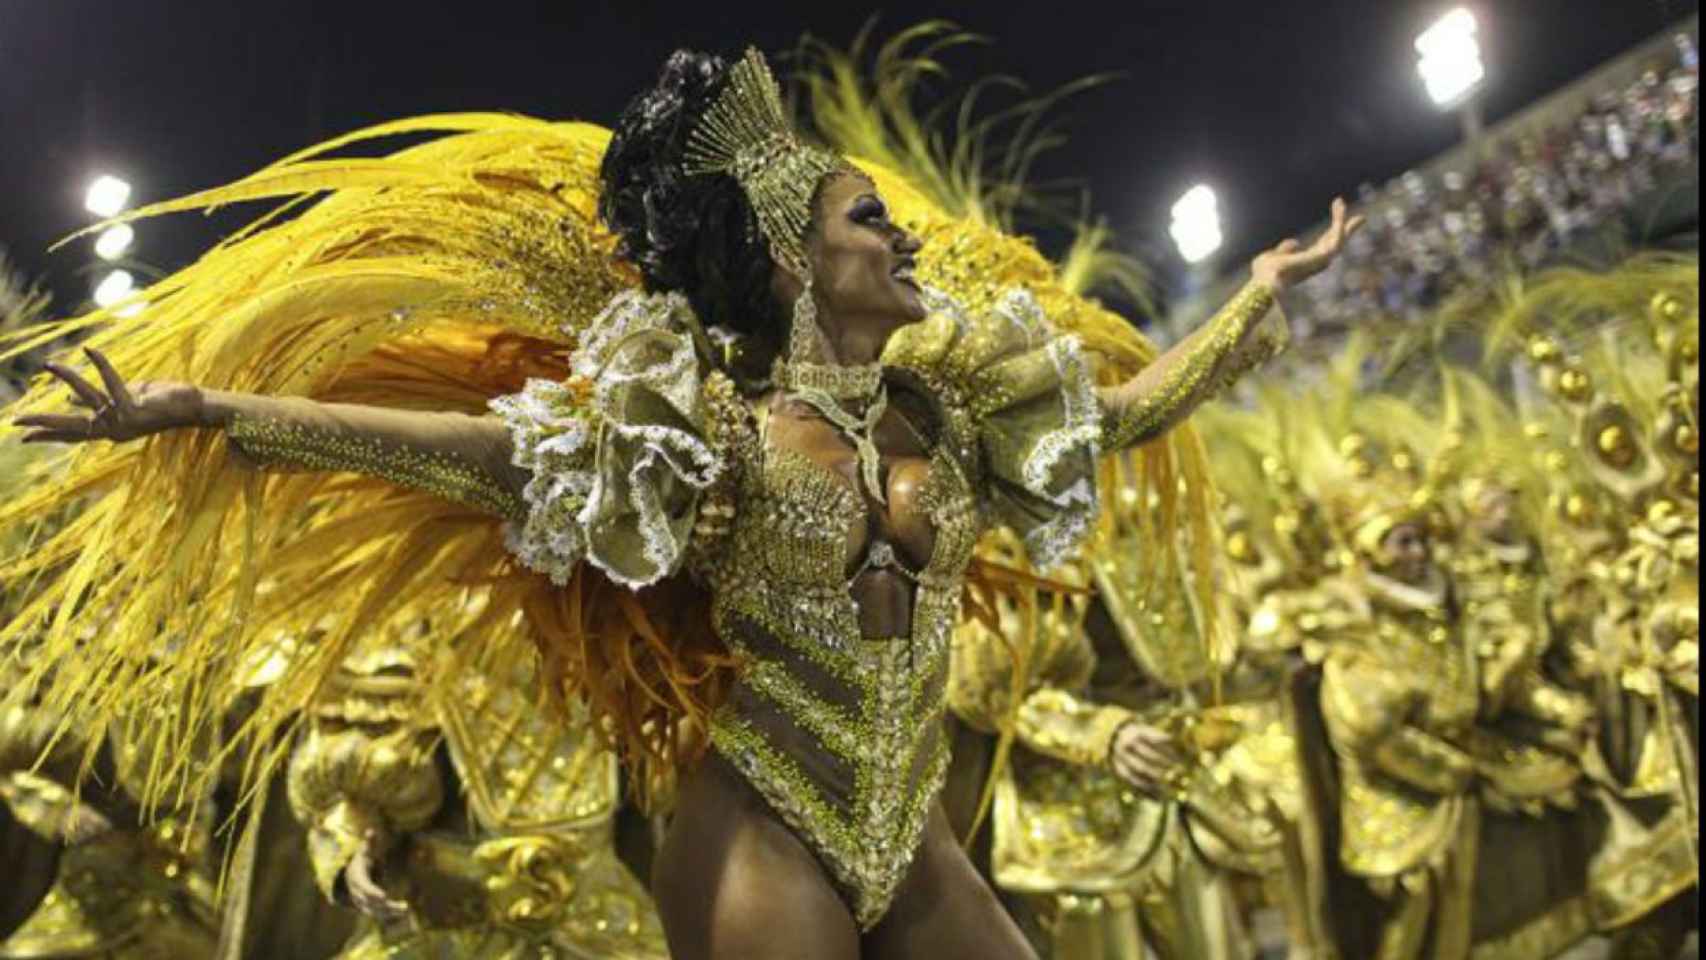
{"points": [[1079, 433], [664, 451], [628, 312], [552, 439], [556, 438]]}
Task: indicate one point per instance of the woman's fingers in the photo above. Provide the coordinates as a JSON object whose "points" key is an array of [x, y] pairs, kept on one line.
{"points": [[82, 388], [1159, 760], [1289, 262], [1328, 243], [366, 893], [116, 388], [1157, 744], [52, 421], [54, 436], [1145, 757], [1136, 774]]}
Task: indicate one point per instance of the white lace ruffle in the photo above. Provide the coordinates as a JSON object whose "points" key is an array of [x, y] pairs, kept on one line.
{"points": [[660, 454], [551, 432], [1078, 437], [631, 458]]}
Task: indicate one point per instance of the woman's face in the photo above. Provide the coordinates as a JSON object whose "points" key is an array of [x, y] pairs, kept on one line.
{"points": [[862, 263], [1494, 512], [1407, 555]]}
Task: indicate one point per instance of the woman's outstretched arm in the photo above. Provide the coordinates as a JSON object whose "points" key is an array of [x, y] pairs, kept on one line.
{"points": [[456, 456], [1230, 344]]}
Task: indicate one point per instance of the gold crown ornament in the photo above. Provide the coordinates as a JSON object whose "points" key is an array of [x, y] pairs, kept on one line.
{"points": [[745, 133]]}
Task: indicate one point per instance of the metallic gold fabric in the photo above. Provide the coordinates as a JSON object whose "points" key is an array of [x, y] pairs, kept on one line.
{"points": [[1225, 348], [521, 862]]}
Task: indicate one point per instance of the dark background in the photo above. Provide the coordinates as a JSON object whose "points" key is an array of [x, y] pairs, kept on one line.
{"points": [[1278, 105]]}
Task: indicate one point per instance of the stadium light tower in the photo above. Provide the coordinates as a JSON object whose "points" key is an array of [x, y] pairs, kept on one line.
{"points": [[1450, 65], [114, 241], [114, 287], [1196, 224], [107, 196]]}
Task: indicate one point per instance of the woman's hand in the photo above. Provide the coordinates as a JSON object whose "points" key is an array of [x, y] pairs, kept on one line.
{"points": [[1145, 757], [365, 892], [1291, 263], [121, 412]]}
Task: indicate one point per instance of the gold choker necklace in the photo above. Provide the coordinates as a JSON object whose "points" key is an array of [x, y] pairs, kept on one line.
{"points": [[857, 382], [823, 387]]}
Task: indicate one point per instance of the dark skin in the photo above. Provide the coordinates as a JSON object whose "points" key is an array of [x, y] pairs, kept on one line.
{"points": [[1409, 557], [732, 881]]}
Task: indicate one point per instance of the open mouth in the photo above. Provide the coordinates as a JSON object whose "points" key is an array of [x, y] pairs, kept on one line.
{"points": [[904, 273]]}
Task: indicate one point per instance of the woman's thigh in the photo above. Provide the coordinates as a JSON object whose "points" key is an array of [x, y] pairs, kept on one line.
{"points": [[733, 883], [943, 909]]}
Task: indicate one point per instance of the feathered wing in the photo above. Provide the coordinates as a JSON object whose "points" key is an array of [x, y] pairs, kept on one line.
{"points": [[435, 277]]}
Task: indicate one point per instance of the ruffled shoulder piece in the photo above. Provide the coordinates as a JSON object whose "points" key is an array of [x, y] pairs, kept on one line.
{"points": [[1021, 414], [618, 452]]}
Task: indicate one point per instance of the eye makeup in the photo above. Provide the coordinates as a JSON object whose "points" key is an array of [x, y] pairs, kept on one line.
{"points": [[868, 209]]}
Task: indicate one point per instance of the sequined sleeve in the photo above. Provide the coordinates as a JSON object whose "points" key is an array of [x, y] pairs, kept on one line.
{"points": [[1532, 695], [1424, 761], [1232, 343], [1058, 724], [1021, 413], [458, 457]]}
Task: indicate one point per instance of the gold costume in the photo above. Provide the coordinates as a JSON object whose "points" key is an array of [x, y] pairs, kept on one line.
{"points": [[1620, 446], [625, 487], [122, 890], [1410, 766], [518, 861], [840, 733], [1118, 870]]}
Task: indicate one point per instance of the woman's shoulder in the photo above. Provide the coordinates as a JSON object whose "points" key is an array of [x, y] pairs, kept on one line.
{"points": [[984, 358], [1020, 407], [623, 452]]}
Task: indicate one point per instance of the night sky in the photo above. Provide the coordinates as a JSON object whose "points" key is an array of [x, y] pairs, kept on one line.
{"points": [[1278, 105]]}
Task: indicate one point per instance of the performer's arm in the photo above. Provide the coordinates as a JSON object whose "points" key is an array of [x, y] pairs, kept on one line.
{"points": [[459, 457], [1229, 345], [463, 458], [1532, 695], [1367, 708], [1058, 724], [1193, 370], [1424, 761], [357, 791]]}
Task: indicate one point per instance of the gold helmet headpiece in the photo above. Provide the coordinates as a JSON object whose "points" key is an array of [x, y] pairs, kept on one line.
{"points": [[1380, 494], [745, 133]]}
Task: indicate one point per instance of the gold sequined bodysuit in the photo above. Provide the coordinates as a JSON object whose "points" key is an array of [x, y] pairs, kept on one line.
{"points": [[842, 734], [623, 465]]}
